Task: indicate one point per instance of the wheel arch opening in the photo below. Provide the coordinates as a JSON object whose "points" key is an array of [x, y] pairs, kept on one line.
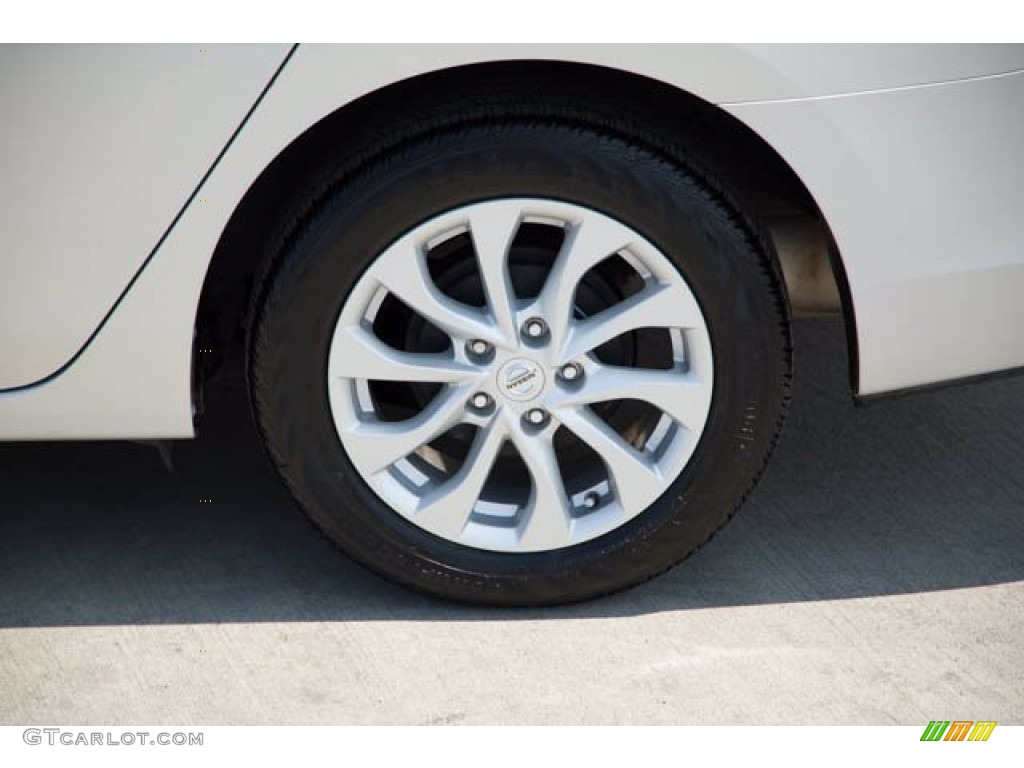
{"points": [[753, 178]]}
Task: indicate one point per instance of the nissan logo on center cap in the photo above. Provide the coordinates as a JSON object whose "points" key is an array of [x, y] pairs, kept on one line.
{"points": [[520, 379]]}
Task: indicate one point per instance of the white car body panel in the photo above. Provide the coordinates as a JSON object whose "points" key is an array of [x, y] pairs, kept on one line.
{"points": [[921, 188], [103, 145], [933, 253]]}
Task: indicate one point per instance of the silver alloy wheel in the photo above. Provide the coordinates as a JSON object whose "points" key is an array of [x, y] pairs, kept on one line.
{"points": [[521, 372]]}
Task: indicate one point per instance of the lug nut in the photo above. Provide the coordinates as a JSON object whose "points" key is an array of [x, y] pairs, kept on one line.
{"points": [[481, 401], [571, 371], [590, 500], [479, 347], [534, 328], [536, 416]]}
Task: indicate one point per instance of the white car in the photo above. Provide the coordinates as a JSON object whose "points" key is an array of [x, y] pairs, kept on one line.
{"points": [[515, 319]]}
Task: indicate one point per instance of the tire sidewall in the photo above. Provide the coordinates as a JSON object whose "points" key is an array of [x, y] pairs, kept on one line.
{"points": [[729, 276]]}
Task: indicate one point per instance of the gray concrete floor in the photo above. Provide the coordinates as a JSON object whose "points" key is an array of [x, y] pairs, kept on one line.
{"points": [[876, 576]]}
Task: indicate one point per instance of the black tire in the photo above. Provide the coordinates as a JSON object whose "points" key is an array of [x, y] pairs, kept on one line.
{"points": [[726, 268]]}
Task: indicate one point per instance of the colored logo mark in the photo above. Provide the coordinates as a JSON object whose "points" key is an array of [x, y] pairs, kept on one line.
{"points": [[958, 730]]}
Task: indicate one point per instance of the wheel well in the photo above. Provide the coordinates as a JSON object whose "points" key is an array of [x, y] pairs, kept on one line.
{"points": [[741, 166]]}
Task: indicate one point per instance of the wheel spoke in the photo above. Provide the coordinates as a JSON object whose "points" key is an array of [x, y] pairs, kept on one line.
{"points": [[404, 273], [357, 354], [376, 445], [587, 243], [547, 522], [656, 306], [632, 474], [682, 396], [493, 227], [446, 510]]}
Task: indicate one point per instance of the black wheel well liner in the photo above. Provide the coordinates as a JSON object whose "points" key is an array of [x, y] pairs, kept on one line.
{"points": [[753, 178]]}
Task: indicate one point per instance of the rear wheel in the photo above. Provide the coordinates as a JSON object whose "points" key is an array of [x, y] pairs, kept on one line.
{"points": [[520, 364]]}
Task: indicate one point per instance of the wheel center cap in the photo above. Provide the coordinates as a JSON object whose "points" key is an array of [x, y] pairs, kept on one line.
{"points": [[520, 379]]}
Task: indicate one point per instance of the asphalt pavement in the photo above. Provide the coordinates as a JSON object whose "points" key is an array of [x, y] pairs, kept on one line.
{"points": [[876, 576]]}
